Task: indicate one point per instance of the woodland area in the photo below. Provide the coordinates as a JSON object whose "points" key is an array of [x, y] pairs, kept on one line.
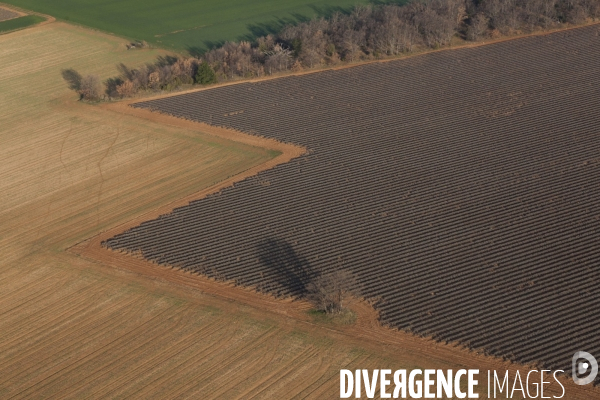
{"points": [[368, 32]]}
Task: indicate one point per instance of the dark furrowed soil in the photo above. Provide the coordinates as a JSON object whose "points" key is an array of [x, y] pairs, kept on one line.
{"points": [[462, 188]]}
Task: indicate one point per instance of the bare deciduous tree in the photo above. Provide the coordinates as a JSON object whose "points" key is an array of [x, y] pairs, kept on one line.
{"points": [[329, 291], [478, 28], [90, 88]]}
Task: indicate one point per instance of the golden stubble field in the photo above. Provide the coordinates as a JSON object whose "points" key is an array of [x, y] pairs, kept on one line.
{"points": [[73, 326]]}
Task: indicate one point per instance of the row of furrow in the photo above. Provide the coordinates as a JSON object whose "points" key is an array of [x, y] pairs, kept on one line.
{"points": [[460, 188]]}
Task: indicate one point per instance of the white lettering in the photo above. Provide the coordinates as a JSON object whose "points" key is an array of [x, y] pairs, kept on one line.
{"points": [[556, 379], [346, 389], [535, 384], [384, 383], [473, 383], [444, 383], [521, 389], [542, 384], [400, 383], [428, 382], [497, 383], [418, 393], [371, 386], [457, 392]]}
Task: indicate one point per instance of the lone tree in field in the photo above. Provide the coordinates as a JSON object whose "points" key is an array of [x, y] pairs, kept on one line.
{"points": [[90, 88], [205, 74], [329, 291]]}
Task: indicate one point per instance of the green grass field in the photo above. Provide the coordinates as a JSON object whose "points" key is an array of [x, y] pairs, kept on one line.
{"points": [[18, 23], [192, 25]]}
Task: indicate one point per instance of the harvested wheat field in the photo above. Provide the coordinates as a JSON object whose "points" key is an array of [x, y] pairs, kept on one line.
{"points": [[75, 326]]}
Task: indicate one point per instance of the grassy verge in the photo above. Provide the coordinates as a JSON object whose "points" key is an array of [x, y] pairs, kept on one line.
{"points": [[19, 23]]}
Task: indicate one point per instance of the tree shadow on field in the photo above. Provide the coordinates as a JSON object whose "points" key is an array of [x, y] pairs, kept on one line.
{"points": [[272, 27], [289, 271], [73, 78], [207, 45], [328, 11], [195, 51], [162, 61]]}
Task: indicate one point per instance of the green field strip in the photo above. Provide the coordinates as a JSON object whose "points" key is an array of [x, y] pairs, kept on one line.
{"points": [[20, 23]]}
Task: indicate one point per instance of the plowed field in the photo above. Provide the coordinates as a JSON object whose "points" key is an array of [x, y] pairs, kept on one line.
{"points": [[461, 187]]}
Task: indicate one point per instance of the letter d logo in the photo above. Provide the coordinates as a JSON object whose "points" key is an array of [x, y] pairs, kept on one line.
{"points": [[581, 367]]}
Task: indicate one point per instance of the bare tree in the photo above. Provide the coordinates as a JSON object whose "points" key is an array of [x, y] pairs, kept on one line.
{"points": [[391, 32], [90, 88], [329, 291], [478, 27], [278, 59]]}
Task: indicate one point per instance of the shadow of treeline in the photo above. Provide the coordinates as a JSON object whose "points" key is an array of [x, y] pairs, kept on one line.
{"points": [[386, 2], [275, 26]]}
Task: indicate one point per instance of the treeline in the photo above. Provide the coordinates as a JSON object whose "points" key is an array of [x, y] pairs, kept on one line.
{"points": [[368, 32]]}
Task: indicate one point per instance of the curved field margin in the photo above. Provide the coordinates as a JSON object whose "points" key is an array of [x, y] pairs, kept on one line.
{"points": [[461, 188]]}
